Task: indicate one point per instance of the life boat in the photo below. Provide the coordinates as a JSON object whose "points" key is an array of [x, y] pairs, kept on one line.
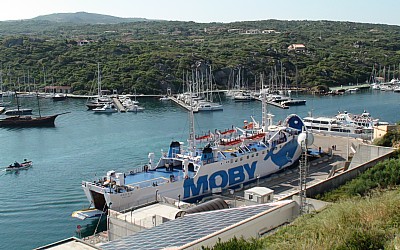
{"points": [[249, 125], [204, 138], [226, 133], [230, 143], [254, 138]]}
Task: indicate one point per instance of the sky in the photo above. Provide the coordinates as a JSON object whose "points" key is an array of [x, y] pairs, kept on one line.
{"points": [[205, 11]]}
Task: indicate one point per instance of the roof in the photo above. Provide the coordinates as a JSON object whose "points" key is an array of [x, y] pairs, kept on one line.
{"points": [[298, 45], [259, 191], [145, 214], [190, 228], [69, 244], [57, 87]]}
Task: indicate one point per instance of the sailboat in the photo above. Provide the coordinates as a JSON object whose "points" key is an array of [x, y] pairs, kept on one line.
{"points": [[29, 121], [2, 102], [100, 100]]}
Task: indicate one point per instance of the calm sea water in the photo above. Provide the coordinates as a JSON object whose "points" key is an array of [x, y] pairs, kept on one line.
{"points": [[36, 204]]}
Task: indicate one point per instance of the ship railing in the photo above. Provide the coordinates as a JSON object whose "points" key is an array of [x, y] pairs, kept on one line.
{"points": [[148, 183], [137, 170], [151, 200]]}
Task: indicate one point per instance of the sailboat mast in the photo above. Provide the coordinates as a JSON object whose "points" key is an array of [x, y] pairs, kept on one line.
{"points": [[191, 140], [37, 98], [98, 80], [263, 105]]}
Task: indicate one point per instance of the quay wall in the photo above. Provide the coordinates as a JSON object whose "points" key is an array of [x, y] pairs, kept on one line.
{"points": [[341, 178]]}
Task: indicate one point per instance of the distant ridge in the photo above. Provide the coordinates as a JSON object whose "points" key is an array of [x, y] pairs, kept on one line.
{"points": [[86, 18]]}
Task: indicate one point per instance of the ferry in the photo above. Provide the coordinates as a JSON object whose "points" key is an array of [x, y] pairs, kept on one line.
{"points": [[328, 124], [188, 174], [344, 123]]}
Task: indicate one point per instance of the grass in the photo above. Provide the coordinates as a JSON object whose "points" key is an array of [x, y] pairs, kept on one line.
{"points": [[365, 215], [359, 223]]}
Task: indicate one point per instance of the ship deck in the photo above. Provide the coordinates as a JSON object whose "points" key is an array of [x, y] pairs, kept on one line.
{"points": [[155, 177]]}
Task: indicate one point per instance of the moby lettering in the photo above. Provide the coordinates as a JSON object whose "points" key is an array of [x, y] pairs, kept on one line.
{"points": [[218, 179]]}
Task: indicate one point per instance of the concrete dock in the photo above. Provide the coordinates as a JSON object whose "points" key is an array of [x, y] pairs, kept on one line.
{"points": [[286, 183], [118, 104], [183, 104], [276, 104]]}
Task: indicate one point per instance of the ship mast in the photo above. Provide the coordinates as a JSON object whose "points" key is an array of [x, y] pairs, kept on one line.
{"points": [[264, 110], [98, 80], [191, 140]]}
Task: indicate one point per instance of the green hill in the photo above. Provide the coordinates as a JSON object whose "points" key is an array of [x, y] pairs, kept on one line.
{"points": [[85, 18], [152, 56]]}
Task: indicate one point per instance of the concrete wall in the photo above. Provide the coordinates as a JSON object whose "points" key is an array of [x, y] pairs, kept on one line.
{"points": [[119, 228], [340, 179], [367, 153], [252, 227]]}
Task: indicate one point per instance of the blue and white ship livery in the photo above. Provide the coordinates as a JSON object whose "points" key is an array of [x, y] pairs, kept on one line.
{"points": [[192, 173]]}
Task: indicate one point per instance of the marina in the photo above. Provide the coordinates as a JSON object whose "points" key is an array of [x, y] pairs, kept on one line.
{"points": [[90, 148]]}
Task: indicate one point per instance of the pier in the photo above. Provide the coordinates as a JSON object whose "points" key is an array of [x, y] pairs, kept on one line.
{"points": [[277, 104], [183, 104], [118, 104]]}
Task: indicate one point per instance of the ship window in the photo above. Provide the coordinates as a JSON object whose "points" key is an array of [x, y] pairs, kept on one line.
{"points": [[252, 155], [247, 157], [241, 158], [236, 160], [256, 154]]}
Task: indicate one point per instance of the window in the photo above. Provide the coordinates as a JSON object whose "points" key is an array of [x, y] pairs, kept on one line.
{"points": [[250, 196]]}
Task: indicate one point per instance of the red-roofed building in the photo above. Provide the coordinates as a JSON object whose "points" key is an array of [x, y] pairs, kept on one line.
{"points": [[58, 89]]}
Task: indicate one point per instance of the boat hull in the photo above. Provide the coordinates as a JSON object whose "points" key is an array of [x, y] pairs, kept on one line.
{"points": [[24, 165], [21, 121], [218, 176]]}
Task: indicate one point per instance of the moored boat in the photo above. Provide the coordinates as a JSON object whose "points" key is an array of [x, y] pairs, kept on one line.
{"points": [[28, 121], [19, 111], [59, 97], [106, 108]]}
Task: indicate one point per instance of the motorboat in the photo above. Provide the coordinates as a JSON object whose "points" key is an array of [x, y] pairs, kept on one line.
{"points": [[19, 166], [106, 108], [59, 97]]}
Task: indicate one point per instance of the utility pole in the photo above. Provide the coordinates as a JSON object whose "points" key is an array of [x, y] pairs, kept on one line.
{"points": [[303, 140]]}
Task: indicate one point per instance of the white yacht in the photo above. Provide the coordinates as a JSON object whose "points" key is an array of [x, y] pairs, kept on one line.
{"points": [[107, 108]]}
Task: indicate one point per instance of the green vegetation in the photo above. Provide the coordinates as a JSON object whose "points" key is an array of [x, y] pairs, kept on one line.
{"points": [[359, 223], [385, 174], [365, 215], [238, 244], [152, 56], [390, 139]]}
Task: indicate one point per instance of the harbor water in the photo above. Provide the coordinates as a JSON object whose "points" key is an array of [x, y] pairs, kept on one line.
{"points": [[36, 204]]}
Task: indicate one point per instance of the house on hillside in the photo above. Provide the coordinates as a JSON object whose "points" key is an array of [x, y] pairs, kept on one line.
{"points": [[83, 42], [301, 48]]}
